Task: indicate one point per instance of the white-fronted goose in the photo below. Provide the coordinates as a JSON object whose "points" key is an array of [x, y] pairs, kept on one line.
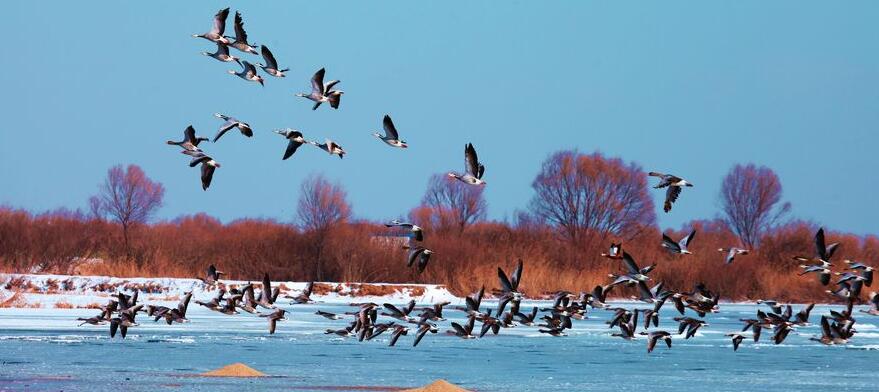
{"points": [[248, 73], [190, 142], [330, 147], [391, 137], [218, 28], [473, 169], [321, 92], [655, 336], [240, 42], [294, 140], [208, 165], [271, 65], [222, 54], [421, 254], [674, 184], [229, 123]]}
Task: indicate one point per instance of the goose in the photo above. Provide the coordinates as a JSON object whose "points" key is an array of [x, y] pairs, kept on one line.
{"points": [[866, 271], [217, 30], [823, 251], [330, 147], [222, 54], [214, 303], [510, 288], [655, 336], [273, 318], [732, 252], [416, 231], [190, 142], [679, 247], [474, 169], [615, 251], [598, 297], [736, 340], [391, 137], [240, 42], [294, 138], [96, 320], [208, 165], [399, 330], [321, 92], [229, 123], [345, 332], [776, 307], [848, 277], [304, 297], [822, 272], [124, 321], [248, 299], [157, 311], [802, 317], [755, 325], [473, 302], [434, 313], [328, 315], [178, 314], [781, 333], [423, 329], [627, 329], [557, 332], [828, 335], [874, 305], [400, 314], [213, 276], [248, 73], [674, 184], [420, 253], [267, 296], [271, 65], [527, 319], [689, 324]]}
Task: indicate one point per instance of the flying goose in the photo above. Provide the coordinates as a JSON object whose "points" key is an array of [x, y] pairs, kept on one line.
{"points": [[417, 232], [674, 184], [736, 340], [391, 137], [829, 334], [240, 42], [271, 65], [689, 324], [96, 320], [208, 165], [213, 276], [655, 336], [304, 297], [248, 73], [423, 329], [866, 271], [823, 251], [229, 123], [267, 295], [214, 303], [434, 313], [217, 30], [222, 54], [273, 318], [399, 330], [400, 314], [776, 307], [822, 272], [510, 289], [473, 169], [874, 305], [615, 251], [330, 147], [328, 315], [732, 252], [294, 138], [679, 247], [190, 142], [527, 319], [321, 92], [421, 254]]}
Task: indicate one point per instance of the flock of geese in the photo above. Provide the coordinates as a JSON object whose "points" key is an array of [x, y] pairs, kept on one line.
{"points": [[368, 320]]}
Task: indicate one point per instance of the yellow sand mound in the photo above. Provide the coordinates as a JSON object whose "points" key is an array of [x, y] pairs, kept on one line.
{"points": [[234, 370], [438, 386]]}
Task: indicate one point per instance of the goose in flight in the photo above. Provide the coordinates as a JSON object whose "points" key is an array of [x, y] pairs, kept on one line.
{"points": [[208, 165], [823, 251], [615, 251], [474, 169], [273, 318], [213, 276], [240, 42], [655, 336], [229, 123], [321, 92], [391, 137], [267, 295], [866, 271], [248, 73], [222, 54], [294, 138], [465, 331], [510, 289], [420, 253], [271, 65], [674, 184], [679, 247], [736, 340], [401, 314], [731, 253], [822, 272], [330, 147], [328, 315], [217, 30], [96, 320], [417, 232], [304, 297], [190, 142], [423, 328], [874, 305]]}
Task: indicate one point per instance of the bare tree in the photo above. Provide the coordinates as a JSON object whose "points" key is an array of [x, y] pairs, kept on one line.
{"points": [[750, 195], [322, 205], [127, 196], [453, 204], [592, 195]]}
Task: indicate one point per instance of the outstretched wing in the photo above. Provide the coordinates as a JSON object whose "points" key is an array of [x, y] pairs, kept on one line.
{"points": [[671, 195], [240, 34], [471, 160], [292, 146], [207, 174], [686, 240], [502, 277], [189, 134], [631, 266], [220, 22], [390, 130], [269, 58], [317, 82], [516, 277]]}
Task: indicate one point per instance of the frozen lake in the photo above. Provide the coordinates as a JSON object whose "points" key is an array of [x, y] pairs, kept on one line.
{"points": [[43, 349]]}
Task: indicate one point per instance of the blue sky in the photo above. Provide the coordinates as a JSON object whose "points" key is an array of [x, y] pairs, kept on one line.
{"points": [[687, 87]]}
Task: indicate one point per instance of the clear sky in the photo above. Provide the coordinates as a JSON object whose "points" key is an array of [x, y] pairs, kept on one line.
{"points": [[687, 87]]}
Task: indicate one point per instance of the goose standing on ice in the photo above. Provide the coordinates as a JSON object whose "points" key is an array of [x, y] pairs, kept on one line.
{"points": [[271, 65], [240, 42], [679, 247], [248, 73], [295, 140], [731, 253], [208, 165], [232, 122], [674, 184], [331, 147], [391, 137], [474, 169], [222, 54], [217, 30], [190, 141], [321, 92]]}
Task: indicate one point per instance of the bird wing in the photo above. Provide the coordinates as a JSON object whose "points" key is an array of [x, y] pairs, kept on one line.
{"points": [[685, 242], [317, 82], [390, 130], [189, 134], [422, 261], [292, 146], [671, 195], [471, 160], [670, 243], [220, 22], [198, 158], [421, 332], [269, 58], [631, 266], [413, 254], [207, 174], [240, 34], [249, 68], [329, 85], [225, 127], [516, 277], [820, 249], [502, 277]]}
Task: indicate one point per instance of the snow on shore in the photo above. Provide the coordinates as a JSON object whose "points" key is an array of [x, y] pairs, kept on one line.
{"points": [[69, 291]]}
